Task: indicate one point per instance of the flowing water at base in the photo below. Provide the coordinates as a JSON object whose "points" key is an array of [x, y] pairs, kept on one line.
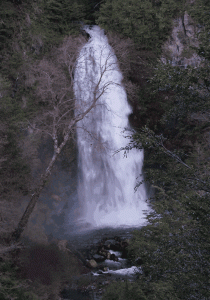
{"points": [[95, 282]]}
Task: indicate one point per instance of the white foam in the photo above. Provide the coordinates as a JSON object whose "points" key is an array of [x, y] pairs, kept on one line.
{"points": [[106, 180], [128, 271], [132, 271]]}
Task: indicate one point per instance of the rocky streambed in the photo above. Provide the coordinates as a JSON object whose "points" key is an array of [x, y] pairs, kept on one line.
{"points": [[105, 261]]}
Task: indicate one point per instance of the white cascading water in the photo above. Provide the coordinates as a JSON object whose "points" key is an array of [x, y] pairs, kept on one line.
{"points": [[106, 179]]}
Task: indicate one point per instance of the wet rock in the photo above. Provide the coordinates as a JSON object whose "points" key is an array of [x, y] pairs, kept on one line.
{"points": [[124, 253], [139, 261], [128, 241], [112, 245], [62, 245], [109, 242], [113, 257], [115, 244], [84, 33], [103, 252], [108, 255], [123, 244], [98, 258], [91, 264]]}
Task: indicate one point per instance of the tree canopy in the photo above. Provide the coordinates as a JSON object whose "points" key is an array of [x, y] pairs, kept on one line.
{"points": [[172, 125], [173, 250], [148, 23]]}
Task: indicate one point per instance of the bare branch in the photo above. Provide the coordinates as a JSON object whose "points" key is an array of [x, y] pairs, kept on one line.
{"points": [[57, 117], [11, 248], [173, 155]]}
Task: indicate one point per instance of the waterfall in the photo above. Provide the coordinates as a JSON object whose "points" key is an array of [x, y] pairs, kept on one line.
{"points": [[107, 179]]}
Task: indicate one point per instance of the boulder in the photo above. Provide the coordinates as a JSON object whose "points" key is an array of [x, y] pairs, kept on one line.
{"points": [[62, 245], [103, 252], [108, 243], [113, 245], [139, 261], [91, 264], [113, 257], [98, 258]]}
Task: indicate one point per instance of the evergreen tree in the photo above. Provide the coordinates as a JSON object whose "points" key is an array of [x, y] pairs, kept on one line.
{"points": [[148, 23], [173, 250]]}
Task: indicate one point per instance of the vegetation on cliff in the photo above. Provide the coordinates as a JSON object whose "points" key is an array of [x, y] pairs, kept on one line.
{"points": [[171, 120], [147, 23], [173, 250], [30, 32]]}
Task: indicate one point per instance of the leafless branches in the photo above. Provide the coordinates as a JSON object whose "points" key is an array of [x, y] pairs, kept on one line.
{"points": [[55, 96]]}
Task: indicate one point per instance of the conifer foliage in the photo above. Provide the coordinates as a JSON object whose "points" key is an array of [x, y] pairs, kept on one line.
{"points": [[173, 250], [148, 23], [173, 128]]}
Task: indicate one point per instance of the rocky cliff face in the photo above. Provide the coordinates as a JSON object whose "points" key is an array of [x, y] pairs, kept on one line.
{"points": [[177, 50]]}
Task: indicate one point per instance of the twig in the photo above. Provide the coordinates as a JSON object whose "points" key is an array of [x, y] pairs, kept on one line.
{"points": [[10, 248], [174, 155]]}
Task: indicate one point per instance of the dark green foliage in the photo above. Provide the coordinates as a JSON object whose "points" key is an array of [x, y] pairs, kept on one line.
{"points": [[11, 287], [148, 23], [174, 248], [172, 254], [14, 172], [27, 33], [8, 15], [63, 15], [91, 8], [67, 16], [173, 129], [177, 101], [124, 291]]}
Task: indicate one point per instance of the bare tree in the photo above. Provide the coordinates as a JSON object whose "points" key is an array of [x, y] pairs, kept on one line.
{"points": [[57, 118]]}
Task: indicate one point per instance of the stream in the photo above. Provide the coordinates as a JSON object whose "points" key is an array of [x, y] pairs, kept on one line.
{"points": [[104, 252], [107, 208]]}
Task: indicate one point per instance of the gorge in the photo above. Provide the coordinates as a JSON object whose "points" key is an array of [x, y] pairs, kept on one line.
{"points": [[150, 76]]}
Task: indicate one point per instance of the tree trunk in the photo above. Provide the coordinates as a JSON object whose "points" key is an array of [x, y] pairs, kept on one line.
{"points": [[183, 25], [97, 93], [16, 234]]}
